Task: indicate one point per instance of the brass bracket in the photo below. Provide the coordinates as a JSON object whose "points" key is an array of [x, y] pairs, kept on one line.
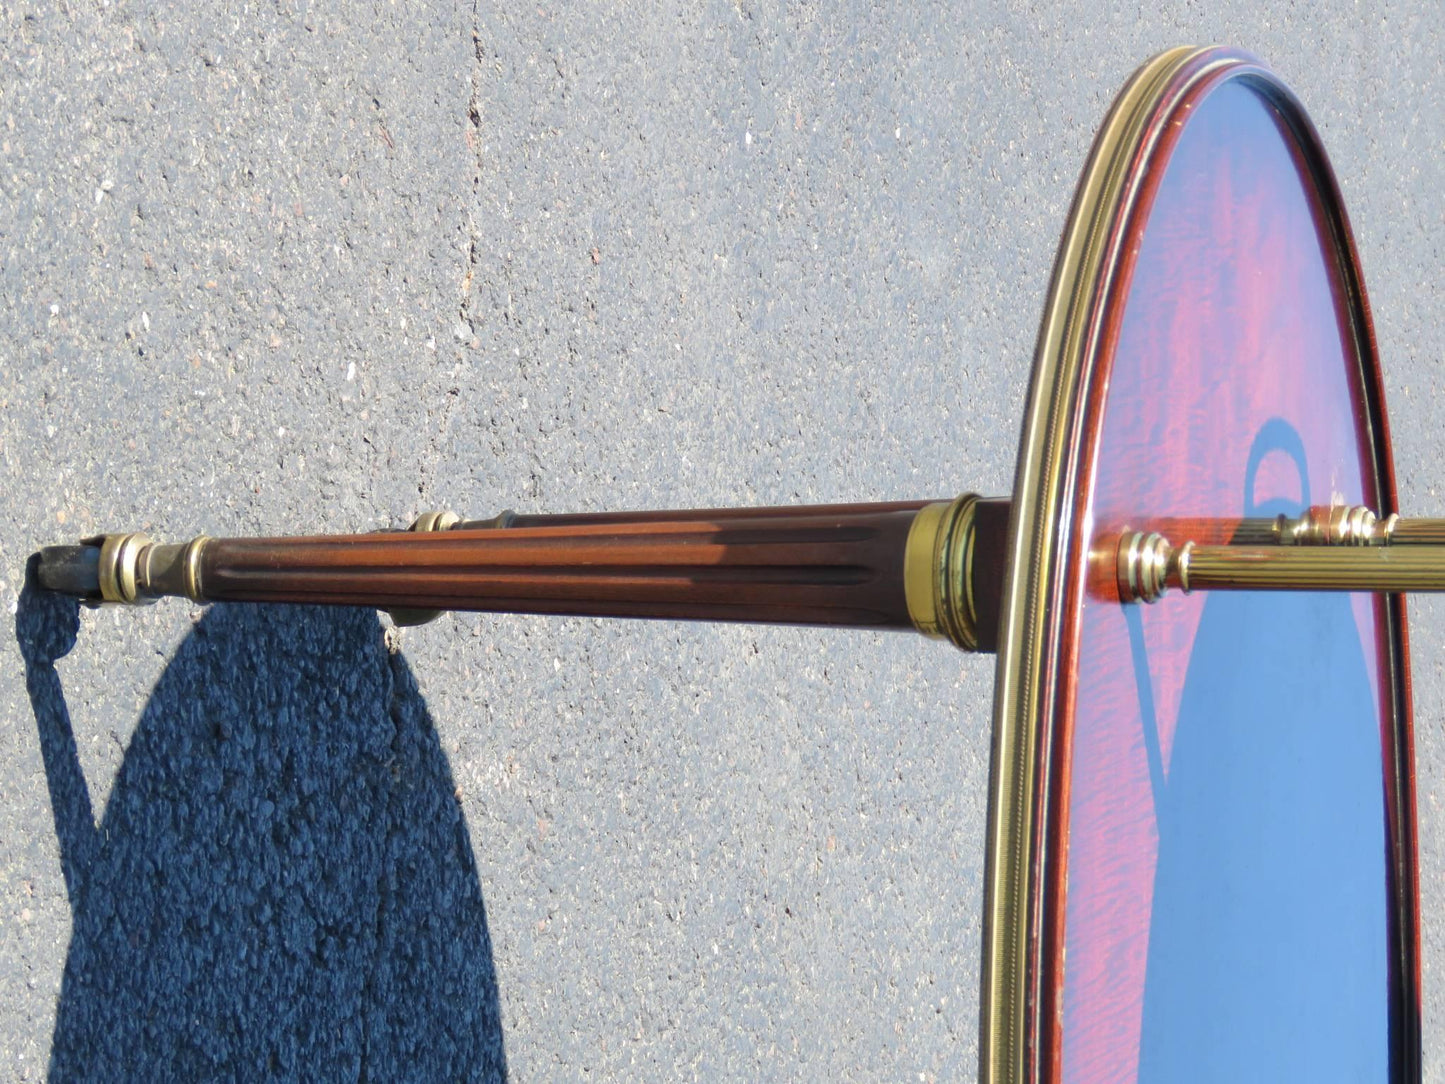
{"points": [[435, 521], [407, 617], [1335, 525], [404, 616]]}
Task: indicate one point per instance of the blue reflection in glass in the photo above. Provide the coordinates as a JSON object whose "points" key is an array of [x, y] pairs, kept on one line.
{"points": [[1268, 946]]}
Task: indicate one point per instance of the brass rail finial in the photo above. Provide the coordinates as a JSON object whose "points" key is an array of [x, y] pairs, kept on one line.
{"points": [[1337, 548]]}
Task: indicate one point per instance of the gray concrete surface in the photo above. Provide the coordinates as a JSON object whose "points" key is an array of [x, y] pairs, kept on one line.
{"points": [[275, 268]]}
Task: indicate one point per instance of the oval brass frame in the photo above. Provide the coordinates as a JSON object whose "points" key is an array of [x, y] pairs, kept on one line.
{"points": [[1022, 689], [1088, 261], [1040, 530]]}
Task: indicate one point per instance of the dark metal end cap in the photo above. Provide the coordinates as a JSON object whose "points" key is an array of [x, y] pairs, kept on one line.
{"points": [[70, 570]]}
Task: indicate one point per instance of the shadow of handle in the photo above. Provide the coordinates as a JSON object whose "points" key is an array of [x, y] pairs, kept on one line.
{"points": [[46, 625]]}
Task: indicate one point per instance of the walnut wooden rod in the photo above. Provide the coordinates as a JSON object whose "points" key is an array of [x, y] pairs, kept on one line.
{"points": [[936, 566], [823, 567]]}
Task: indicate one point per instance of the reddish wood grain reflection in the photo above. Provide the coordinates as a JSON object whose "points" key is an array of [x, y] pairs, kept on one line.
{"points": [[1231, 324]]}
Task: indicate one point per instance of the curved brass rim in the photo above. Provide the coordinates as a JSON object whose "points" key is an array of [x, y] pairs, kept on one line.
{"points": [[1036, 578], [1023, 691]]}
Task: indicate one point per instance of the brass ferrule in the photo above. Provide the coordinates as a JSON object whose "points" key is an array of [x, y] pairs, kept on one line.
{"points": [[938, 571], [119, 566], [135, 571]]}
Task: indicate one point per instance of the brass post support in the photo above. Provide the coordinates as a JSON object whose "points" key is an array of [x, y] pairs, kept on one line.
{"points": [[938, 571], [407, 617]]}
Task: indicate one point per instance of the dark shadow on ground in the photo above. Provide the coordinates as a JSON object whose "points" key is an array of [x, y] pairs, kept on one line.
{"points": [[282, 886]]}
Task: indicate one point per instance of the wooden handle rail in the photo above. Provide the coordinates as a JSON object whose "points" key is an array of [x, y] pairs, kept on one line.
{"points": [[935, 566], [819, 567]]}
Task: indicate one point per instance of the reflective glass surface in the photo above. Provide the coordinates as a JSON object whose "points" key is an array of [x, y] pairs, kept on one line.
{"points": [[1226, 911]]}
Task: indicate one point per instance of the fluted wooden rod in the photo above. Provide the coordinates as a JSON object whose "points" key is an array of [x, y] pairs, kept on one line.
{"points": [[936, 566], [832, 565]]}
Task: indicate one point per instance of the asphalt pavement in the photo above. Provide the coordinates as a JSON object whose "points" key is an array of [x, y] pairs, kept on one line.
{"points": [[275, 268]]}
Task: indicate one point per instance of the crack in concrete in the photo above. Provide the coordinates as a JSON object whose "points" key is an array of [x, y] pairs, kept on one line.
{"points": [[466, 328], [474, 142]]}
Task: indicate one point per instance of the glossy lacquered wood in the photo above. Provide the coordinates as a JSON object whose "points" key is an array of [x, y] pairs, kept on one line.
{"points": [[827, 565], [1234, 374], [839, 565]]}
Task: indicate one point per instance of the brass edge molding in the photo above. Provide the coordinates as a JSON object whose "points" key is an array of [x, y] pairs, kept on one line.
{"points": [[1402, 787], [1039, 521]]}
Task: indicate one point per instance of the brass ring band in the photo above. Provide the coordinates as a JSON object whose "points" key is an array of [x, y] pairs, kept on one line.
{"points": [[119, 560], [918, 570], [938, 571], [191, 567], [1181, 564], [1144, 562]]}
